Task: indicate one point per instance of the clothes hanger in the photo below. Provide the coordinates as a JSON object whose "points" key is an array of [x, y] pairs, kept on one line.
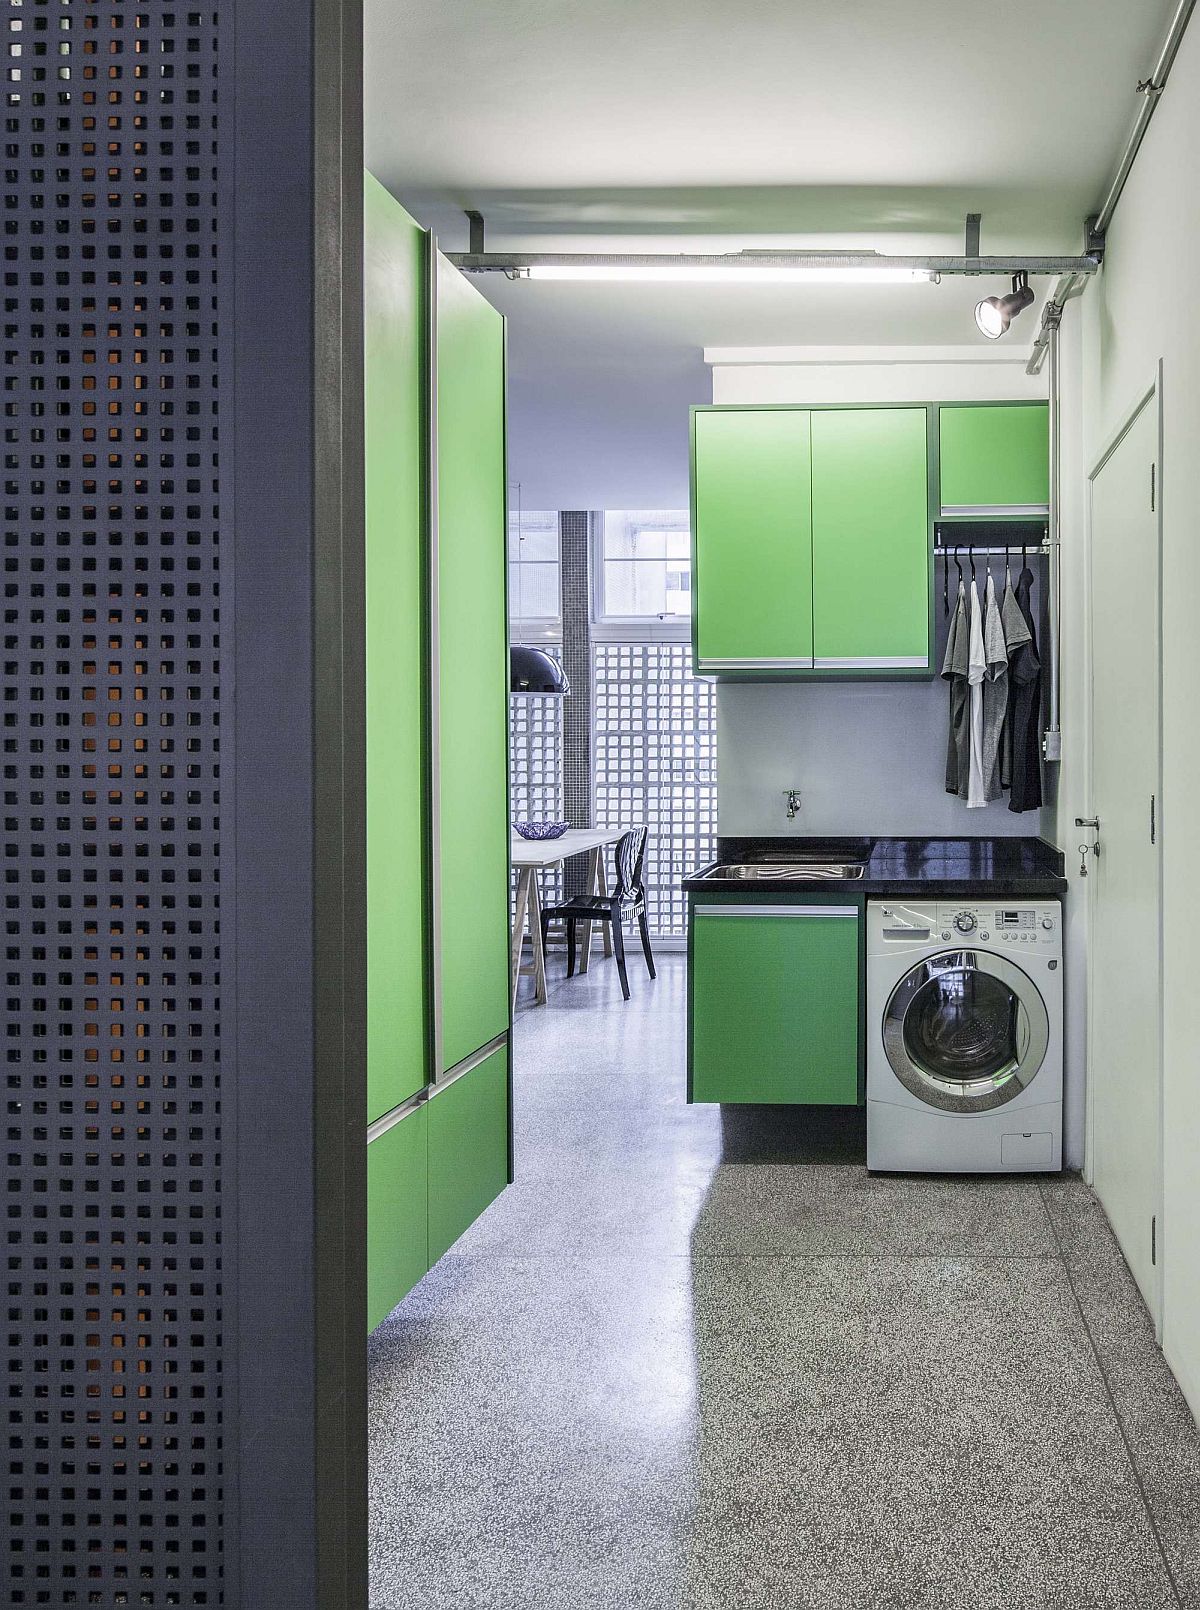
{"points": [[945, 581], [971, 557], [1007, 569]]}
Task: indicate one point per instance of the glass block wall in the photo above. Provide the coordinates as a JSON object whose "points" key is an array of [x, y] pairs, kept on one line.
{"points": [[655, 762], [535, 725]]}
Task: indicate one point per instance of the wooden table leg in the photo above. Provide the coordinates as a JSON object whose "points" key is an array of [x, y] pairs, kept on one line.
{"points": [[524, 880], [535, 933]]}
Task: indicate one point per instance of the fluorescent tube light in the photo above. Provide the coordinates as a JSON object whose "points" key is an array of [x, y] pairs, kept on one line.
{"points": [[726, 273]]}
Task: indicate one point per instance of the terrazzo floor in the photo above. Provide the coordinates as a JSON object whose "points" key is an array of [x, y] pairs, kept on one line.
{"points": [[697, 1358]]}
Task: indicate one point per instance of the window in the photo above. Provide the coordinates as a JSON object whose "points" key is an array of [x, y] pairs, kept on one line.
{"points": [[534, 596], [644, 566]]}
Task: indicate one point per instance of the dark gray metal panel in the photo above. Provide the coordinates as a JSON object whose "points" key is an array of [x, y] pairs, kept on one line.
{"points": [[117, 849], [300, 1024]]}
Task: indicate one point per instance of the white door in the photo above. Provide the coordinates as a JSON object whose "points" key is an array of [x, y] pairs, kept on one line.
{"points": [[1124, 1062]]}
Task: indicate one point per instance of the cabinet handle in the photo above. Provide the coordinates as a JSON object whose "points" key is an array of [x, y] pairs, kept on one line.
{"points": [[776, 911]]}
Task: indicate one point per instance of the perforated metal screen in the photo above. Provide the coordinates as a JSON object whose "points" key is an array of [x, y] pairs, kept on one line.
{"points": [[655, 762], [113, 851]]}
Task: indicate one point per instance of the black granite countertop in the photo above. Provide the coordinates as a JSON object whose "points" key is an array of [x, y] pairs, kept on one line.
{"points": [[922, 866]]}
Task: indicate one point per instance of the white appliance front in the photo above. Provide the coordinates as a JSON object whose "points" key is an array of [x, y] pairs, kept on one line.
{"points": [[964, 1036]]}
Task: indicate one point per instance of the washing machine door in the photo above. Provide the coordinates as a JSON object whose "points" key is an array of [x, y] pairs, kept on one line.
{"points": [[966, 1031]]}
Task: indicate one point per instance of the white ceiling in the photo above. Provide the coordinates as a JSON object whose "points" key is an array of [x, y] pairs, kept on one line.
{"points": [[693, 125]]}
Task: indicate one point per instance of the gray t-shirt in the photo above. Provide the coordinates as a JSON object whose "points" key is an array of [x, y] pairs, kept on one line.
{"points": [[995, 691]]}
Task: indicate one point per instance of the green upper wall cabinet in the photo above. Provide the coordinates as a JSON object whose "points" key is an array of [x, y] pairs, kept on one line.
{"points": [[995, 458], [774, 1002], [394, 290], [752, 543], [471, 671], [811, 541], [870, 525]]}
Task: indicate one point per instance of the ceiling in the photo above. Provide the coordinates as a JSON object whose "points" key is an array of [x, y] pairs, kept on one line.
{"points": [[694, 125]]}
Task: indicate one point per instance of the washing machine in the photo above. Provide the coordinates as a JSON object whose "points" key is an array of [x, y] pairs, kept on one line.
{"points": [[964, 1036]]}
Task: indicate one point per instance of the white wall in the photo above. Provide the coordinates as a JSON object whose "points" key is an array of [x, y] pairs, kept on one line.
{"points": [[1141, 308], [869, 757]]}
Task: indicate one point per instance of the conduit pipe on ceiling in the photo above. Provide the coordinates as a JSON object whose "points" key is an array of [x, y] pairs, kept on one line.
{"points": [[1150, 89]]}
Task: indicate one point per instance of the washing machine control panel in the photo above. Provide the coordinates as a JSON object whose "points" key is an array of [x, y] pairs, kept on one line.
{"points": [[1004, 926]]}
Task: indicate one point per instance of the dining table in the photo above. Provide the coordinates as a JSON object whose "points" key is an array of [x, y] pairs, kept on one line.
{"points": [[531, 856]]}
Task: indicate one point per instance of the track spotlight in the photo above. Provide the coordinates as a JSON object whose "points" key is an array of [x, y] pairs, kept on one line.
{"points": [[995, 313]]}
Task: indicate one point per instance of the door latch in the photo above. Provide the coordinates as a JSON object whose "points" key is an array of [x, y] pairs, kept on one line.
{"points": [[1092, 822]]}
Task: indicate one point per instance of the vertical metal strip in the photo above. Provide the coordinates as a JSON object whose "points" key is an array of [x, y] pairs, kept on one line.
{"points": [[434, 632], [1052, 741]]}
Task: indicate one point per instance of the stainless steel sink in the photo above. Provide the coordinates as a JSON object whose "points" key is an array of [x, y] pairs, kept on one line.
{"points": [[749, 871]]}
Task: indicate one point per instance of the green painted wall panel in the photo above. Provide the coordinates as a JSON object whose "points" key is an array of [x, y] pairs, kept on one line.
{"points": [[473, 681], [774, 1007], [395, 649], [397, 1213], [995, 456], [468, 1150], [870, 521], [753, 534]]}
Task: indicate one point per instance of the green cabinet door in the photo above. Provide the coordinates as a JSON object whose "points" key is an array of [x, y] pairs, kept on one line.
{"points": [[995, 458], [468, 1149], [870, 538], [774, 1003], [394, 275], [752, 539], [397, 1213], [471, 753]]}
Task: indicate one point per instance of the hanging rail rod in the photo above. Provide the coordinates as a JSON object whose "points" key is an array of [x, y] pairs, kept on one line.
{"points": [[1032, 548], [503, 262]]}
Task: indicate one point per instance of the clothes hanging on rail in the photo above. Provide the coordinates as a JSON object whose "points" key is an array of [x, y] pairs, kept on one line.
{"points": [[976, 794], [995, 690], [954, 670], [1025, 709], [1016, 633]]}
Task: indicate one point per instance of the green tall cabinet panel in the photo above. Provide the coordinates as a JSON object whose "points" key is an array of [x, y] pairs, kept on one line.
{"points": [[995, 458], [774, 1003], [468, 1149], [752, 539], [394, 324], [870, 538], [397, 1212], [471, 671]]}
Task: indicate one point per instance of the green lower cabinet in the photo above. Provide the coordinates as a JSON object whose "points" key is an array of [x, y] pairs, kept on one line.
{"points": [[468, 1149], [774, 1003], [397, 1213]]}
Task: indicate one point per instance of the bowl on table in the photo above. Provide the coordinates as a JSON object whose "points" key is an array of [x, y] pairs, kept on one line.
{"points": [[541, 830]]}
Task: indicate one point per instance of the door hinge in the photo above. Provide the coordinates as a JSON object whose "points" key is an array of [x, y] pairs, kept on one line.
{"points": [[1153, 823], [1153, 469], [1154, 1240]]}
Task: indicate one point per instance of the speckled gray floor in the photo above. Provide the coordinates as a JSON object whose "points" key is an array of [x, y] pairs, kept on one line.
{"points": [[701, 1361]]}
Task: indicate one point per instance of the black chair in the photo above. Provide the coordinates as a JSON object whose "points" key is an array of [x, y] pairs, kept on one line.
{"points": [[628, 899]]}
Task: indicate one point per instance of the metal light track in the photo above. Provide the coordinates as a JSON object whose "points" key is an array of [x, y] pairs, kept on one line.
{"points": [[512, 263]]}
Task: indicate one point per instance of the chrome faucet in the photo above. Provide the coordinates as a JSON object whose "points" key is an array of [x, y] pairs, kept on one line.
{"points": [[792, 795]]}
